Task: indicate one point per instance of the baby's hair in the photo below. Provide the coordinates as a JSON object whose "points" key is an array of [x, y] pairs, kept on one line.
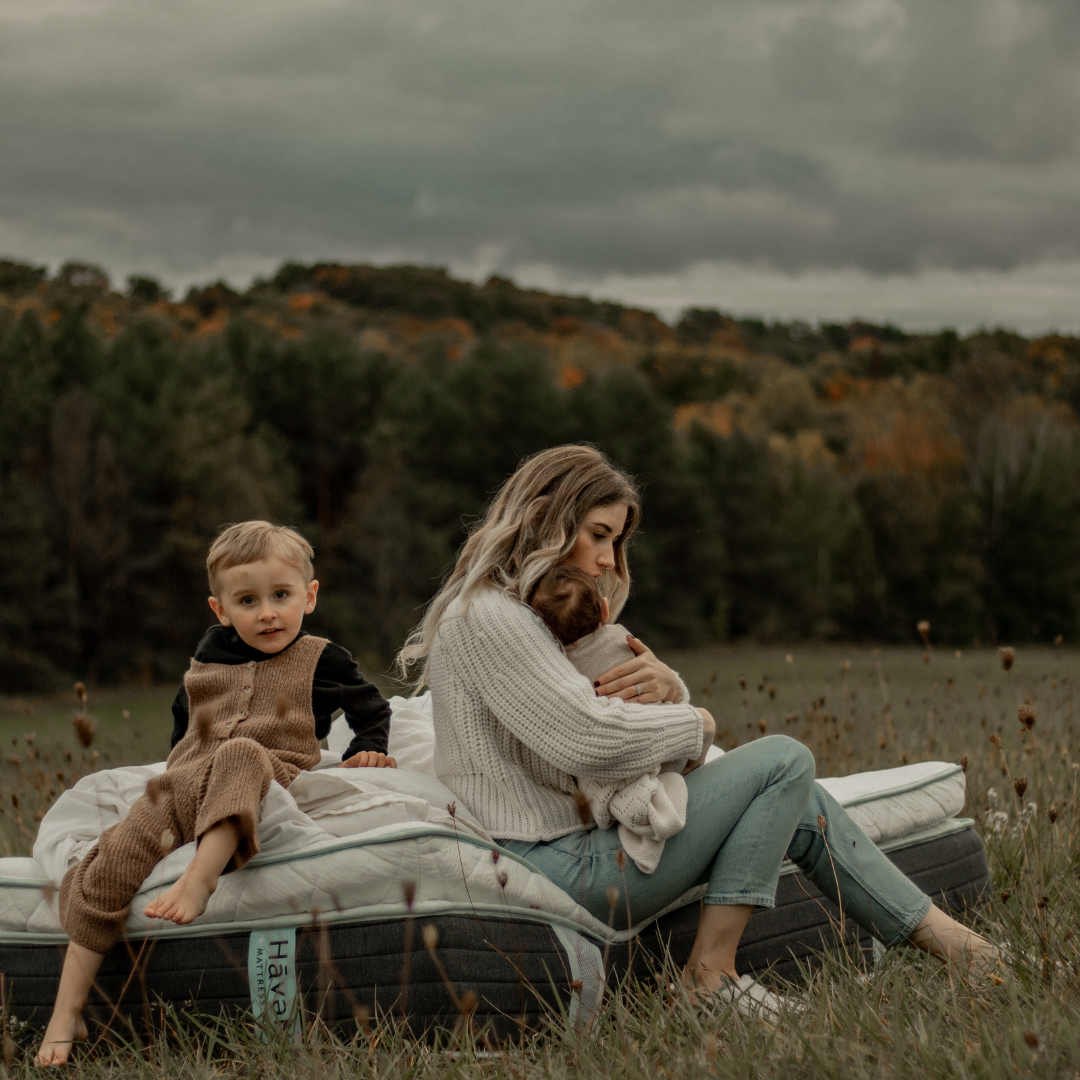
{"points": [[253, 541], [569, 601]]}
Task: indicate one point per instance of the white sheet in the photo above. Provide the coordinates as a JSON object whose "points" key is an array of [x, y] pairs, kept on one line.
{"points": [[407, 834]]}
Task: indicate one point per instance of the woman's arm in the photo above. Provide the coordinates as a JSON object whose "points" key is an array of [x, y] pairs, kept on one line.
{"points": [[506, 653]]}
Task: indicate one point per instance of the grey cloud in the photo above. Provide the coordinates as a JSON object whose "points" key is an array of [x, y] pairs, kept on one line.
{"points": [[594, 136]]}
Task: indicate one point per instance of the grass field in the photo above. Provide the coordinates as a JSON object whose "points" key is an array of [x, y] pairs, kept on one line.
{"points": [[858, 709]]}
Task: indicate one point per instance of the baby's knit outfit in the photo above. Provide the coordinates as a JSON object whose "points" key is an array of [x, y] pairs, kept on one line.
{"points": [[515, 723], [253, 723], [650, 808]]}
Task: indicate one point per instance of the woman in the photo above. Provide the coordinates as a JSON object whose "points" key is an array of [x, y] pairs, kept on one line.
{"points": [[515, 723]]}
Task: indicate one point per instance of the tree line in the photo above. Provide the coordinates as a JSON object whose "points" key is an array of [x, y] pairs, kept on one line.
{"points": [[799, 482]]}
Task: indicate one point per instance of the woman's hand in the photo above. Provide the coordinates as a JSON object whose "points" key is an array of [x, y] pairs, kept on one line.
{"points": [[644, 679], [708, 733], [369, 759]]}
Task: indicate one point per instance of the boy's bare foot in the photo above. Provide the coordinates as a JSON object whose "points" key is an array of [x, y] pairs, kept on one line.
{"points": [[65, 1028], [184, 901], [187, 898], [66, 1025]]}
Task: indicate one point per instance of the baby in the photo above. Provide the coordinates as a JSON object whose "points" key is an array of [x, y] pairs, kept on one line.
{"points": [[649, 808], [252, 690]]}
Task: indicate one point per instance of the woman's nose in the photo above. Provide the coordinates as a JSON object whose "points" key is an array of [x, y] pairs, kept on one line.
{"points": [[606, 559]]}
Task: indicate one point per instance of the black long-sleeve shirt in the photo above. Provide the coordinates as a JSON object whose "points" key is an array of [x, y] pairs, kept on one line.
{"points": [[337, 684]]}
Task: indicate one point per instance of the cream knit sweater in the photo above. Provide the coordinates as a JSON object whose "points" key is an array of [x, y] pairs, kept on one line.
{"points": [[515, 723]]}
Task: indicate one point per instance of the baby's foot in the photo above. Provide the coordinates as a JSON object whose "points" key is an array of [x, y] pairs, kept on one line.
{"points": [[184, 901], [65, 1028]]}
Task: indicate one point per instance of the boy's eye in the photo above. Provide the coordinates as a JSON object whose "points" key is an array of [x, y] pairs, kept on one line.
{"points": [[247, 600], [280, 594]]}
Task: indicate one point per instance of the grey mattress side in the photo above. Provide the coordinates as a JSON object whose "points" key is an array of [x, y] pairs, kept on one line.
{"points": [[519, 971]]}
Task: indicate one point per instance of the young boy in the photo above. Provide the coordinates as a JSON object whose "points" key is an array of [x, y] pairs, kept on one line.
{"points": [[261, 693]]}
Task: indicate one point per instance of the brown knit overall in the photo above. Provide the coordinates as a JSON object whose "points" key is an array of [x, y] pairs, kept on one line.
{"points": [[250, 724]]}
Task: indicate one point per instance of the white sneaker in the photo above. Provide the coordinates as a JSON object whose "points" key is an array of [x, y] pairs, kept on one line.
{"points": [[750, 998]]}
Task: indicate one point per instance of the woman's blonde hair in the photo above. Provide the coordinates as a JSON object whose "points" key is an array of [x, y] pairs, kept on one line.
{"points": [[532, 525]]}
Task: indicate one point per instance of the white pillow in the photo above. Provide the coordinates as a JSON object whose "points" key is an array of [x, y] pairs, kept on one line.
{"points": [[412, 734]]}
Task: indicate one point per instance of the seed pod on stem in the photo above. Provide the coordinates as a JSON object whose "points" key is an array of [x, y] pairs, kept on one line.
{"points": [[204, 722], [581, 804], [84, 726]]}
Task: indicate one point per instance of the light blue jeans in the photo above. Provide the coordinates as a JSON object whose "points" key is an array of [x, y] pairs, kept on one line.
{"points": [[745, 812]]}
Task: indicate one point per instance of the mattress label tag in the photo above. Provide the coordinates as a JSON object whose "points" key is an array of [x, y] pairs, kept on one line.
{"points": [[272, 977]]}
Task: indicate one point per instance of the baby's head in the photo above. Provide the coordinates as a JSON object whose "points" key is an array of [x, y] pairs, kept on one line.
{"points": [[262, 582], [569, 601]]}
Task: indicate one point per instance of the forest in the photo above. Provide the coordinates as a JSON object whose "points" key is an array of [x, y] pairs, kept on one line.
{"points": [[800, 482]]}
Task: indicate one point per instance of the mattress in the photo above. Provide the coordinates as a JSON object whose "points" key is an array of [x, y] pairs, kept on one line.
{"points": [[377, 892], [510, 971]]}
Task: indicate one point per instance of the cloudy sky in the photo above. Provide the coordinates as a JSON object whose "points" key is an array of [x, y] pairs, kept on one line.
{"points": [[916, 160]]}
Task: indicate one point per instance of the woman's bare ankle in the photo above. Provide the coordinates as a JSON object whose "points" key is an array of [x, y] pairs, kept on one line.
{"points": [[942, 936], [701, 975]]}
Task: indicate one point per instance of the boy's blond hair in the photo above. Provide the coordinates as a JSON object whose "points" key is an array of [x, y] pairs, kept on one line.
{"points": [[253, 541]]}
